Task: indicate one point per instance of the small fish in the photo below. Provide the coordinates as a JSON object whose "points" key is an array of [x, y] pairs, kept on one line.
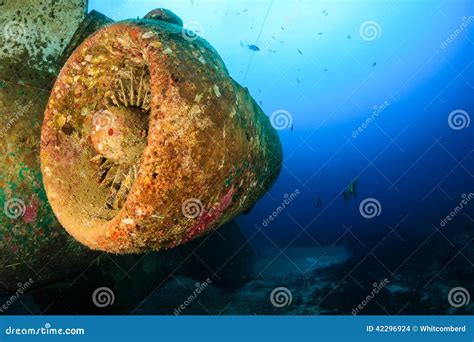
{"points": [[351, 191], [348, 36], [253, 47], [283, 29], [374, 64], [352, 188], [319, 203], [300, 52], [261, 103], [320, 33], [325, 12], [325, 70], [291, 128], [241, 44], [298, 80]]}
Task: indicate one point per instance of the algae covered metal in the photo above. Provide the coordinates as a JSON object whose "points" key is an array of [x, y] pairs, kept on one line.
{"points": [[147, 142], [33, 246]]}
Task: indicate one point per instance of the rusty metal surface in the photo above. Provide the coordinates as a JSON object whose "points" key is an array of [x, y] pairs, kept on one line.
{"points": [[148, 143], [34, 33], [33, 247]]}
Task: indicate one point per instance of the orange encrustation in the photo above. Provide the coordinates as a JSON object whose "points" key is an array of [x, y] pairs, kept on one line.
{"points": [[147, 142]]}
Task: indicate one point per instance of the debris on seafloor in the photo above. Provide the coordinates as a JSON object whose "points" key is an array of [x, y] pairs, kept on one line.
{"points": [[297, 260]]}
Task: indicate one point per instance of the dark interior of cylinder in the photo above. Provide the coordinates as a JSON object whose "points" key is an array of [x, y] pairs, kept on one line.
{"points": [[119, 133]]}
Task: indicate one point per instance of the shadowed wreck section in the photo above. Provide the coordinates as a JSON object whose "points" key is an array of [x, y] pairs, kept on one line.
{"points": [[148, 143]]}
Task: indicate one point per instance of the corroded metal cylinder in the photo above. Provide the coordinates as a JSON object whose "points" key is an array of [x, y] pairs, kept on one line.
{"points": [[147, 142], [34, 248]]}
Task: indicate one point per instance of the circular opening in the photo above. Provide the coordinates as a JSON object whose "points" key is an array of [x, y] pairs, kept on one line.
{"points": [[99, 111]]}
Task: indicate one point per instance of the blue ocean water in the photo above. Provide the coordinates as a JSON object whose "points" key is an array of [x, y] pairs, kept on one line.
{"points": [[366, 89], [373, 102]]}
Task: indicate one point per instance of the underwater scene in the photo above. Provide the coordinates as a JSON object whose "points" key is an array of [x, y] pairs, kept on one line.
{"points": [[266, 157]]}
